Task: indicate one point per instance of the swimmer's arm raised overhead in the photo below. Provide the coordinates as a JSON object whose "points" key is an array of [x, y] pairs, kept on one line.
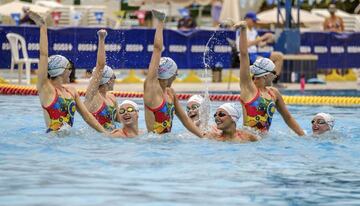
{"points": [[288, 118], [42, 72], [152, 89], [246, 85], [92, 89], [86, 115], [185, 120], [158, 46]]}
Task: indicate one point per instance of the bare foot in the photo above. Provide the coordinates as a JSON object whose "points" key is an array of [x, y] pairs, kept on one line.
{"points": [[36, 18], [158, 15], [240, 24], [102, 33]]}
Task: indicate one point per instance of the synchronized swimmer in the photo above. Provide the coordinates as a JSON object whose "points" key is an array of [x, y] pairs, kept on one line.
{"points": [[98, 99], [101, 111], [160, 99], [59, 102], [259, 100]]}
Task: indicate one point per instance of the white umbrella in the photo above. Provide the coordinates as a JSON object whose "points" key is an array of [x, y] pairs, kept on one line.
{"points": [[325, 13], [230, 10], [17, 7], [49, 4], [170, 10]]}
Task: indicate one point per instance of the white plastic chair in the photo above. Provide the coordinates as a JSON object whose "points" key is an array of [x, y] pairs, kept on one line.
{"points": [[14, 40]]}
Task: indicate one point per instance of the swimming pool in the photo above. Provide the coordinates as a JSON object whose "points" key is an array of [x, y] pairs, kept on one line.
{"points": [[178, 169]]}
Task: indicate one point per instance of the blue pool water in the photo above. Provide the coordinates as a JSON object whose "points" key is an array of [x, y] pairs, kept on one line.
{"points": [[178, 169]]}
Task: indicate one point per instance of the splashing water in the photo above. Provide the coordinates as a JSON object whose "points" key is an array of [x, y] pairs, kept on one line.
{"points": [[204, 110], [208, 57]]}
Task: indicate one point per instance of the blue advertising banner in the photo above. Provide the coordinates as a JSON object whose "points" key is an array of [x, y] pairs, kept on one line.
{"points": [[124, 48], [132, 48]]}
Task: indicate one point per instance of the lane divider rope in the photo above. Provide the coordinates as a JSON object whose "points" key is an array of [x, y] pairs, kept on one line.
{"points": [[6, 89]]}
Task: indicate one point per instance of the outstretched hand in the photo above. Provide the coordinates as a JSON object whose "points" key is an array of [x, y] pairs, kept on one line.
{"points": [[240, 25], [36, 18], [102, 33], [160, 16]]}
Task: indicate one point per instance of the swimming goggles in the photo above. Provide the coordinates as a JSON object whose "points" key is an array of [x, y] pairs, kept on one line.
{"points": [[318, 121], [129, 109], [220, 114]]}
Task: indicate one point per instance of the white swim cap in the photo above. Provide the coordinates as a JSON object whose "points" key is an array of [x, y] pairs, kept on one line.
{"points": [[167, 68], [196, 98], [232, 110], [57, 65], [136, 106], [106, 75], [328, 119], [262, 67]]}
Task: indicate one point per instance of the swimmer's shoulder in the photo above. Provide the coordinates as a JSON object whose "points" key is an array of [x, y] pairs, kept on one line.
{"points": [[111, 96], [171, 92], [72, 90], [117, 133], [247, 136], [275, 91]]}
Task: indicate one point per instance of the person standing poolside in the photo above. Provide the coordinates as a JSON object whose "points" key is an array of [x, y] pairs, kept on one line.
{"points": [[193, 108], [160, 99], [322, 122], [226, 117], [128, 115], [258, 98], [98, 99], [59, 102]]}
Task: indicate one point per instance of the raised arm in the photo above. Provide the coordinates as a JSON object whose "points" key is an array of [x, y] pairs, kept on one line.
{"points": [[246, 84], [43, 62], [288, 118], [153, 93], [158, 46], [93, 87]]}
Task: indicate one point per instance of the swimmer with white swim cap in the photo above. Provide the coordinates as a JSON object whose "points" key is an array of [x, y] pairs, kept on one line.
{"points": [[192, 108], [98, 99], [128, 115], [160, 99], [59, 102], [321, 123], [258, 98], [226, 117]]}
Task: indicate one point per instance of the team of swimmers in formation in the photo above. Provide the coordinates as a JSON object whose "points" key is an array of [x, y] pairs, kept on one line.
{"points": [[100, 109]]}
